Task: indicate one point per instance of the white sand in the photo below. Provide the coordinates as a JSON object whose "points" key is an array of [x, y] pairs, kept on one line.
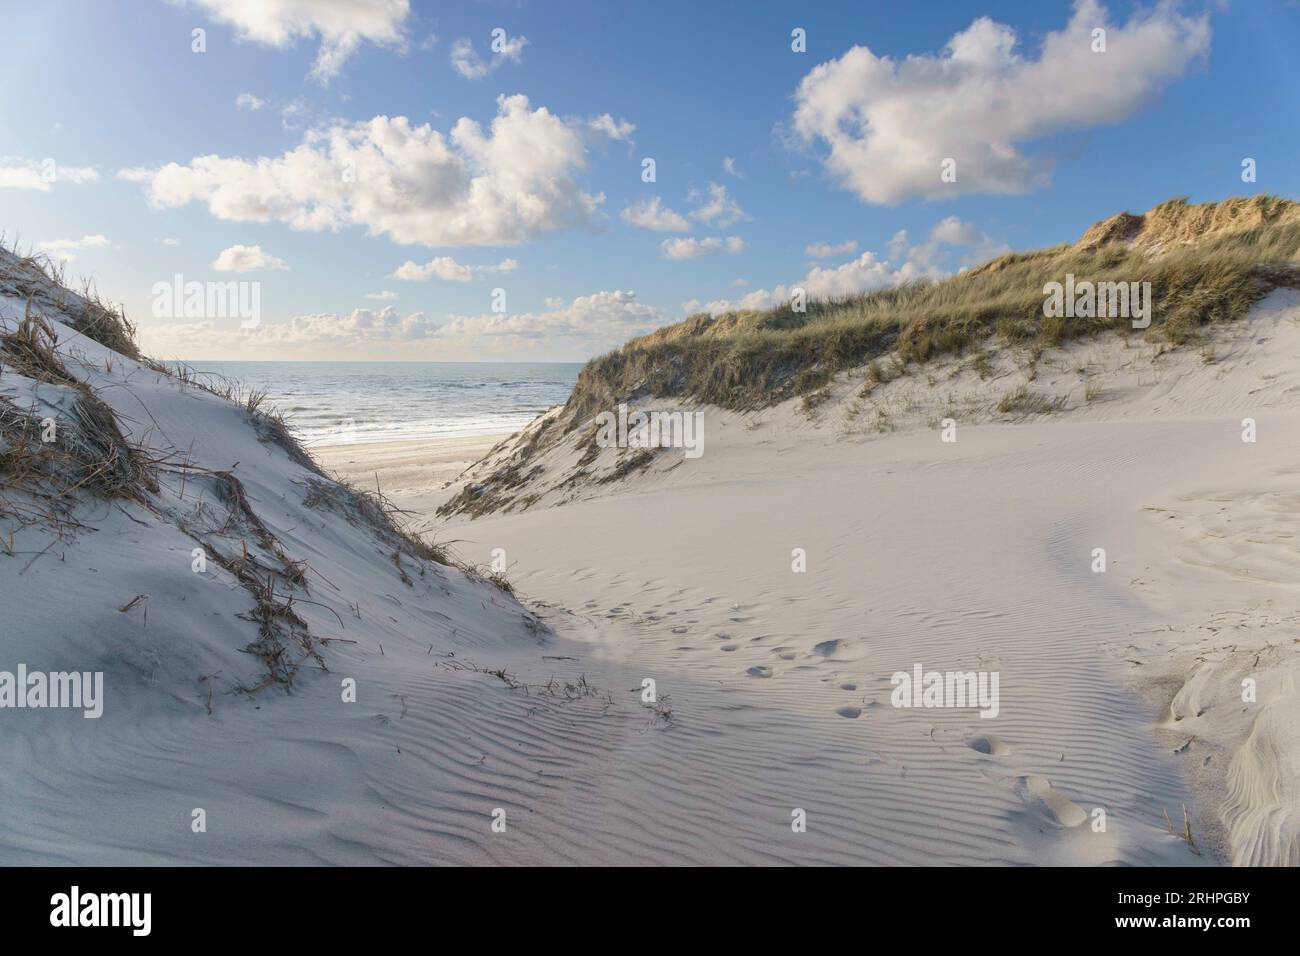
{"points": [[968, 556], [1119, 691], [412, 472], [406, 465]]}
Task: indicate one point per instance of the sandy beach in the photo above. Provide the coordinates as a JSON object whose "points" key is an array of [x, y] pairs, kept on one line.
{"points": [[974, 555], [413, 472]]}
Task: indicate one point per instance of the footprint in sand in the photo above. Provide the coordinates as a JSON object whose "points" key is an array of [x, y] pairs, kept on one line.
{"points": [[988, 744], [1049, 802], [848, 685], [759, 671], [728, 647], [850, 712], [826, 648]]}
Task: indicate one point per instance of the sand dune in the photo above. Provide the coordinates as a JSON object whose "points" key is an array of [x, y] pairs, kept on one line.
{"points": [[773, 735], [971, 555]]}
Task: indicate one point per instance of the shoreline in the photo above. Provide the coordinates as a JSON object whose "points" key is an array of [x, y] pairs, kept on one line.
{"points": [[416, 469]]}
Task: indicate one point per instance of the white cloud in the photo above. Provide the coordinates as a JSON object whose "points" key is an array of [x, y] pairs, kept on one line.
{"points": [[41, 175], [64, 248], [716, 208], [448, 269], [170, 242], [247, 101], [384, 296], [590, 324], [866, 273], [824, 250], [466, 61], [442, 267], [582, 327], [889, 124], [360, 325], [607, 126], [341, 25], [979, 247], [653, 214], [247, 259], [729, 167], [410, 183], [688, 247]]}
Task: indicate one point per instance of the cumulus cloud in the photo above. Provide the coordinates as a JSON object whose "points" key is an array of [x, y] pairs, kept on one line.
{"points": [[65, 248], [247, 101], [868, 272], [929, 255], [587, 325], [888, 125], [441, 267], [466, 61], [605, 125], [247, 259], [41, 175], [340, 25], [653, 214], [581, 327], [688, 247], [448, 269], [411, 183], [358, 326], [824, 250], [715, 207]]}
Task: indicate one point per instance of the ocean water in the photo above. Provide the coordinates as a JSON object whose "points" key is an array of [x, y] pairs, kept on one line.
{"points": [[341, 402]]}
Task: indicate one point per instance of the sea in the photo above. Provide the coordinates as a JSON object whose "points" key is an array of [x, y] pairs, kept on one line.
{"points": [[327, 403]]}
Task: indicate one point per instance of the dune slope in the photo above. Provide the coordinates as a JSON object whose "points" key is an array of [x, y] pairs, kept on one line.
{"points": [[233, 597]]}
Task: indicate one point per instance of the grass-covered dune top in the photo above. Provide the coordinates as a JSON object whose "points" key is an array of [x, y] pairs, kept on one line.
{"points": [[1206, 264]]}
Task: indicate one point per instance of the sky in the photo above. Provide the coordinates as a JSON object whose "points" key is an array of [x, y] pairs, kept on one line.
{"points": [[540, 181]]}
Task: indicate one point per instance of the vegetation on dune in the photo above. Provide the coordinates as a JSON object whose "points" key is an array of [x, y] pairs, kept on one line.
{"points": [[40, 279], [1206, 264], [53, 457]]}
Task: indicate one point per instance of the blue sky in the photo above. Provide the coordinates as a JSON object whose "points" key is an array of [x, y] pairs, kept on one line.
{"points": [[521, 170]]}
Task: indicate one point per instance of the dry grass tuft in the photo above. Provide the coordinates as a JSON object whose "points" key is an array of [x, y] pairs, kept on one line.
{"points": [[1206, 265]]}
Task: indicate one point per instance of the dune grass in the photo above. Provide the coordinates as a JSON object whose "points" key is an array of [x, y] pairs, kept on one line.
{"points": [[1199, 277]]}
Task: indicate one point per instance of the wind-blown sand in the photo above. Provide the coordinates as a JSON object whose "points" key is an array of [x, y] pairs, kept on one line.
{"points": [[1120, 692], [975, 555]]}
